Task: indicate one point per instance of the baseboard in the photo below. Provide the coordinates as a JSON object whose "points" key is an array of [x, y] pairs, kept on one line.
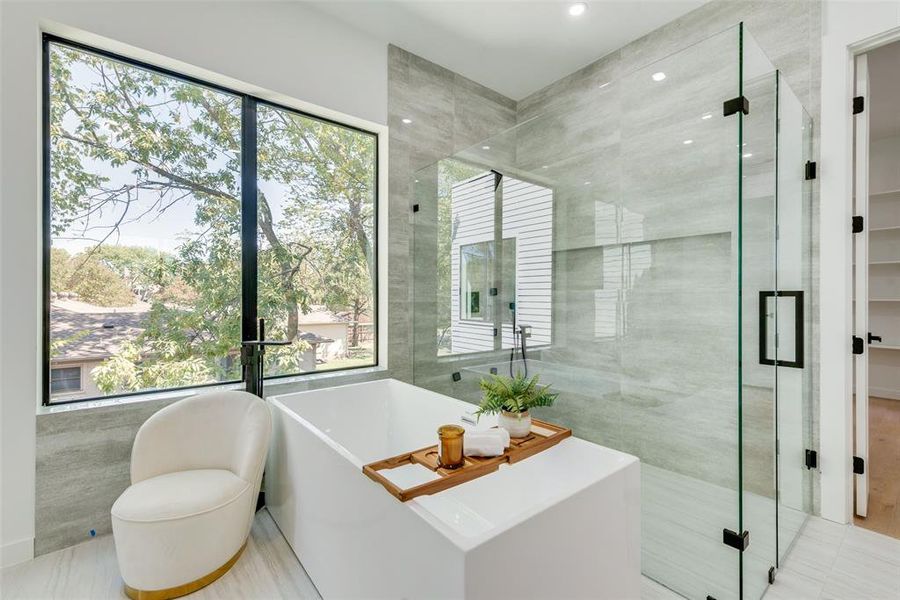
{"points": [[16, 552], [884, 393]]}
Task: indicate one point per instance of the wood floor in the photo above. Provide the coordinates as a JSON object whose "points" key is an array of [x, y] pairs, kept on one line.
{"points": [[884, 468]]}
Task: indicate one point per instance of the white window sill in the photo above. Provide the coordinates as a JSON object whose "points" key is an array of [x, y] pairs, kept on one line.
{"points": [[272, 387]]}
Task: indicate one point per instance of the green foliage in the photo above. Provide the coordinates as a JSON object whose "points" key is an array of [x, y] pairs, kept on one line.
{"points": [[129, 146], [88, 275], [144, 270], [60, 270], [130, 369], [287, 359], [513, 394], [97, 284]]}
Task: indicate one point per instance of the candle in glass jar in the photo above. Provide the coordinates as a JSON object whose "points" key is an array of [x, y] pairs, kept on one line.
{"points": [[450, 448]]}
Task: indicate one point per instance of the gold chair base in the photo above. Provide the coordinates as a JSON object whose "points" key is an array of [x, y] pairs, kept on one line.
{"points": [[186, 588]]}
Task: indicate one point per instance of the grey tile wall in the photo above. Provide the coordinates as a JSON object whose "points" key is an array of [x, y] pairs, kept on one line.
{"points": [[449, 113], [789, 33]]}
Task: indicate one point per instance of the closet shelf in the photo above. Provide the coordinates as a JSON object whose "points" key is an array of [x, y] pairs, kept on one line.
{"points": [[884, 299], [891, 228], [885, 346], [884, 262]]}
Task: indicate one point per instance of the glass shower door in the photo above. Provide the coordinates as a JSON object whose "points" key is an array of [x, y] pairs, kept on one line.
{"points": [[776, 380], [794, 267], [758, 388]]}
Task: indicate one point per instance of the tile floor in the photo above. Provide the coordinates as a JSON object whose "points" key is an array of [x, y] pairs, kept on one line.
{"points": [[829, 561]]}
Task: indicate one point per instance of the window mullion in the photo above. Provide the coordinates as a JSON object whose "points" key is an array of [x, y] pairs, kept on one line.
{"points": [[249, 199]]}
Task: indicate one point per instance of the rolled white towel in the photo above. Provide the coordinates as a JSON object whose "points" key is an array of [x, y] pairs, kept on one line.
{"points": [[486, 442]]}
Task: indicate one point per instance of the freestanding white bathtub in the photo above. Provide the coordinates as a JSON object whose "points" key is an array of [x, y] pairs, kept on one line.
{"points": [[564, 523]]}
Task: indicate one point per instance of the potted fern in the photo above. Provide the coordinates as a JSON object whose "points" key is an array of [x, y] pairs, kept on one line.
{"points": [[512, 398]]}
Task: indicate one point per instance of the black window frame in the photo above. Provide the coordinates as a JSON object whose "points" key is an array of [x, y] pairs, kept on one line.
{"points": [[249, 238]]}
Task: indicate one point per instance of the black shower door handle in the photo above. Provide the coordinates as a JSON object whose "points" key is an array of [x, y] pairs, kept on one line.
{"points": [[764, 296]]}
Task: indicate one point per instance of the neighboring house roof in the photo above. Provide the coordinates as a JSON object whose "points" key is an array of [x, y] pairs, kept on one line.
{"points": [[93, 332], [313, 338], [319, 315]]}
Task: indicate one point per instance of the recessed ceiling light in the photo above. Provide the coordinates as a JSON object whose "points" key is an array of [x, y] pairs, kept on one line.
{"points": [[577, 9], [485, 147], [587, 183], [659, 76], [748, 155], [544, 167], [687, 142], [603, 85], [407, 121], [706, 116]]}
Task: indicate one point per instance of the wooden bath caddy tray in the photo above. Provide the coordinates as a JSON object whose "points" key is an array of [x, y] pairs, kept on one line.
{"points": [[543, 435]]}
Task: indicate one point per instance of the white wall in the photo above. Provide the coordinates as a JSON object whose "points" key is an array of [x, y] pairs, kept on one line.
{"points": [[846, 25], [286, 48], [884, 165]]}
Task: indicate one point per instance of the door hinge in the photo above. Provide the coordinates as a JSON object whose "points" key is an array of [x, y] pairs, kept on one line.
{"points": [[859, 105], [740, 541], [772, 572], [495, 332], [812, 459], [859, 345], [810, 170], [415, 208], [858, 224], [859, 465], [739, 104], [456, 376]]}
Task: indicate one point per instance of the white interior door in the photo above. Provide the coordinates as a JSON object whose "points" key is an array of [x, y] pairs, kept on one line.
{"points": [[861, 310]]}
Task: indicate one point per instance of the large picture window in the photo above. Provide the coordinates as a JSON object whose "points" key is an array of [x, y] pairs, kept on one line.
{"points": [[178, 212]]}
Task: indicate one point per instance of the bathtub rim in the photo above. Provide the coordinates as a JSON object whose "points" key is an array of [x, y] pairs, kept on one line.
{"points": [[420, 506]]}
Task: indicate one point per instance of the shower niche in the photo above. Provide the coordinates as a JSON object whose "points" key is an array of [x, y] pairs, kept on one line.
{"points": [[644, 247]]}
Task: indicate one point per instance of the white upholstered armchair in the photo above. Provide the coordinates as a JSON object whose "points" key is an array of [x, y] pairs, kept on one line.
{"points": [[196, 468]]}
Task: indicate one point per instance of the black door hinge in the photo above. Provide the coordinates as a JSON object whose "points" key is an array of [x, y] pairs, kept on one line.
{"points": [[859, 345], [810, 170], [456, 376], [812, 459], [495, 332], [859, 105], [858, 224], [771, 575], [740, 541], [859, 465], [739, 104], [415, 208]]}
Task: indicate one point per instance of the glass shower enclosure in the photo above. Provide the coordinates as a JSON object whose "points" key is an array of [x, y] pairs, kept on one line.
{"points": [[645, 250]]}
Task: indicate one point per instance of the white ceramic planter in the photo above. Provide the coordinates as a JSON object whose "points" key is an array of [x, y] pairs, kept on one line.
{"points": [[517, 424]]}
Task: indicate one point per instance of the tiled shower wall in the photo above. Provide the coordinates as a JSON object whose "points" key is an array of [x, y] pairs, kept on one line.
{"points": [[573, 108], [789, 32], [448, 113]]}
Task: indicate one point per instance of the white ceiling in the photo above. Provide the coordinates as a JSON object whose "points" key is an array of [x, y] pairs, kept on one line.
{"points": [[515, 47], [884, 90]]}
